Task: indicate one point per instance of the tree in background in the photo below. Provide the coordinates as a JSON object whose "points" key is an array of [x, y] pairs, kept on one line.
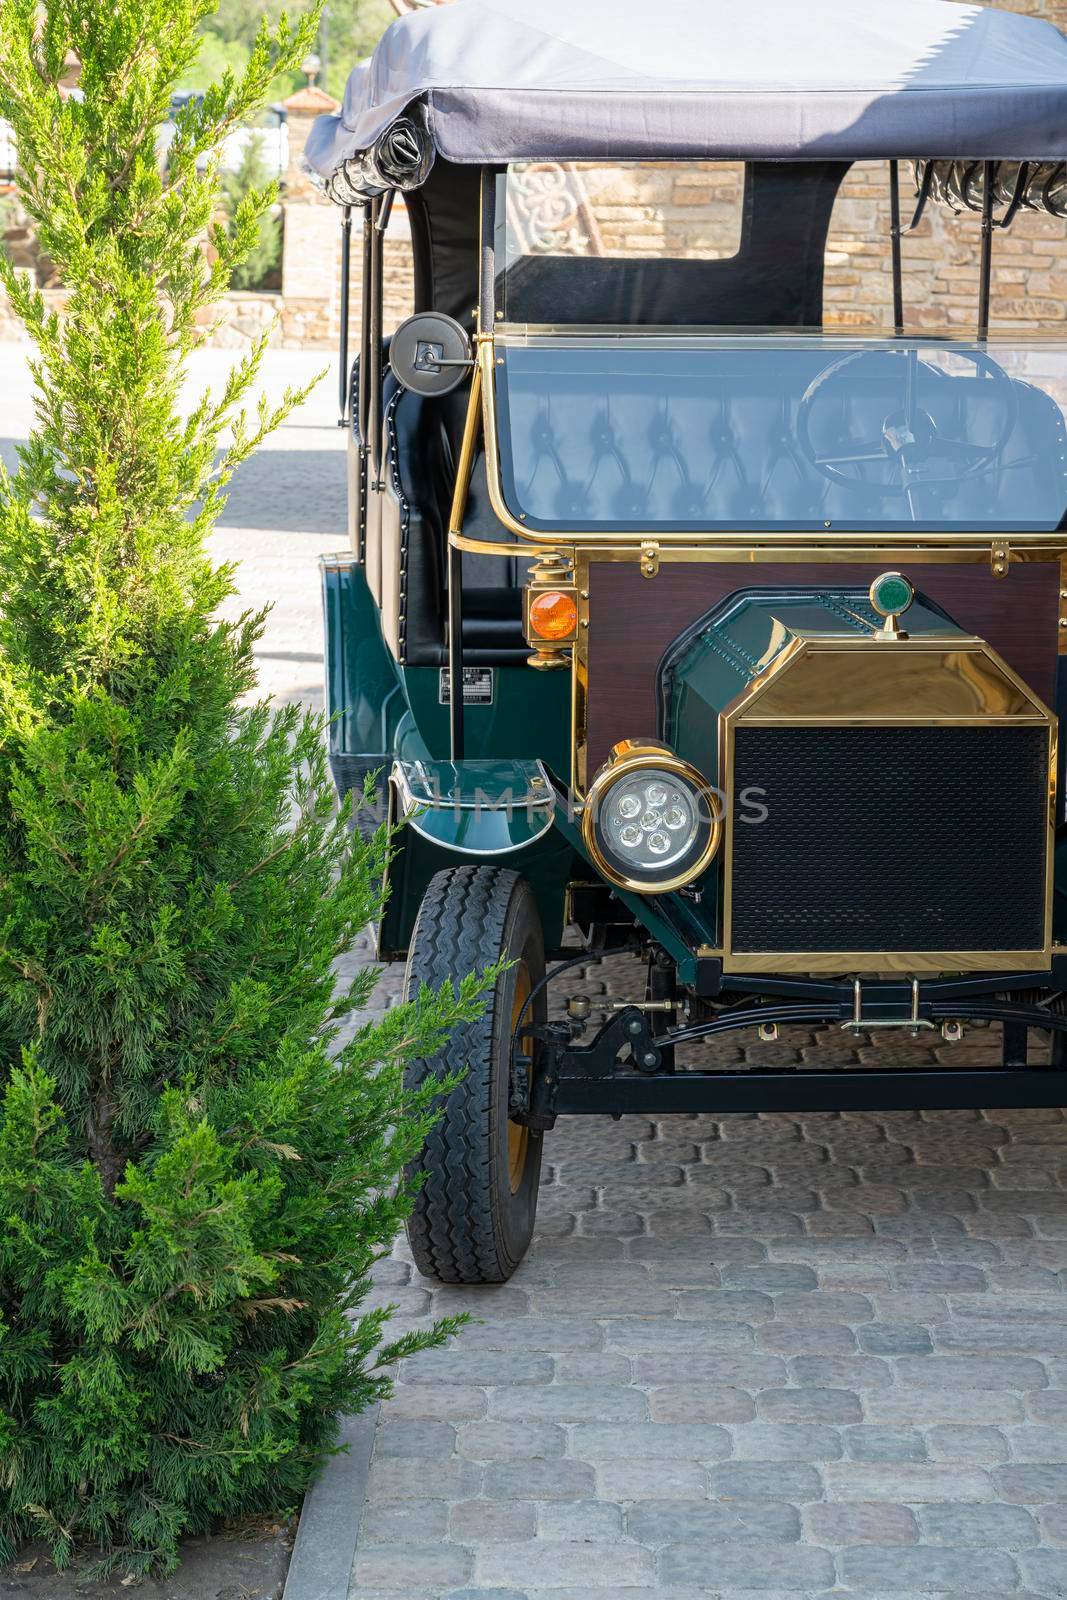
{"points": [[192, 1187], [252, 176], [350, 29]]}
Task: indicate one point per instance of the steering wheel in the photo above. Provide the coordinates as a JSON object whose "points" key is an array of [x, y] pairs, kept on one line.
{"points": [[910, 440]]}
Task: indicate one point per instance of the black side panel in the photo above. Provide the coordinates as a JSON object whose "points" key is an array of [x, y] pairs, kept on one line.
{"points": [[776, 278]]}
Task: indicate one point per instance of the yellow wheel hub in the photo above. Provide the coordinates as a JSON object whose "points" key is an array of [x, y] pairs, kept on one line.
{"points": [[518, 1136]]}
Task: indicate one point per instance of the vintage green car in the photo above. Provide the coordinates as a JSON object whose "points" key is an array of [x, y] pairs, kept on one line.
{"points": [[687, 612]]}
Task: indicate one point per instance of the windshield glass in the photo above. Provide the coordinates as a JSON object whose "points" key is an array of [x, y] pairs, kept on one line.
{"points": [[794, 432]]}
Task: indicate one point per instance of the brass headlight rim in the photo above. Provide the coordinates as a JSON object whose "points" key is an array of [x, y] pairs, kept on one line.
{"points": [[627, 757]]}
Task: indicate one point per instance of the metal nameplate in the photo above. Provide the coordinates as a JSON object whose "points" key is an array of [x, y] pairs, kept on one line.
{"points": [[478, 686]]}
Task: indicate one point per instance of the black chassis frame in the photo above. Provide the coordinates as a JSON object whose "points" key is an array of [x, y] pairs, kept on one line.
{"points": [[629, 1066]]}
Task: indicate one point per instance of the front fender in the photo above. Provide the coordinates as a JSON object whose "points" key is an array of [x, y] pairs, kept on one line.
{"points": [[475, 808]]}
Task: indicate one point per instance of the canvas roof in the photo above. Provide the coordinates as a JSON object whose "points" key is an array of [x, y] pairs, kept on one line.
{"points": [[506, 80]]}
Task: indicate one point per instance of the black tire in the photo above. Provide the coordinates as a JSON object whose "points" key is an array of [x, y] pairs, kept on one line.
{"points": [[474, 1214]]}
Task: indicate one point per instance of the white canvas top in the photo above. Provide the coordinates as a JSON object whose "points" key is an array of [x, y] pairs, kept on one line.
{"points": [[505, 80]]}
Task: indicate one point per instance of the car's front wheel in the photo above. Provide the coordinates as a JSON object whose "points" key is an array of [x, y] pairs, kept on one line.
{"points": [[473, 1217]]}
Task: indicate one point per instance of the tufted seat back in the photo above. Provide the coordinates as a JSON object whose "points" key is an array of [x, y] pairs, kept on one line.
{"points": [[617, 445]]}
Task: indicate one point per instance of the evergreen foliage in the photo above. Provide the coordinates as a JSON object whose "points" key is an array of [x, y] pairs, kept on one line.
{"points": [[191, 1189], [256, 271]]}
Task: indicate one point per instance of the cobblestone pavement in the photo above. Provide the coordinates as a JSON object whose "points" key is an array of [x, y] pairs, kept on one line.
{"points": [[800, 1355]]}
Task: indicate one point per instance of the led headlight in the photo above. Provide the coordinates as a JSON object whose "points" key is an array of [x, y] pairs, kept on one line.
{"points": [[651, 822]]}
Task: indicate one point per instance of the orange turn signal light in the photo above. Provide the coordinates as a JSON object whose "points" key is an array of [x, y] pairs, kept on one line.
{"points": [[553, 614]]}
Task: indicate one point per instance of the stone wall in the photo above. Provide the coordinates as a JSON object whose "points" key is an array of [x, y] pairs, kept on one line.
{"points": [[674, 210]]}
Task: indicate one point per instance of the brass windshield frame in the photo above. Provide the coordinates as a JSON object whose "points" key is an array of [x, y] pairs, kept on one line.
{"points": [[833, 537]]}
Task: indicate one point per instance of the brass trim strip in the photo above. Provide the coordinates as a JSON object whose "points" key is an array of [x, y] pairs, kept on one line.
{"points": [[465, 465]]}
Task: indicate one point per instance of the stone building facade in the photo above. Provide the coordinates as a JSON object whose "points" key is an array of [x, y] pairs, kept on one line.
{"points": [[672, 209]]}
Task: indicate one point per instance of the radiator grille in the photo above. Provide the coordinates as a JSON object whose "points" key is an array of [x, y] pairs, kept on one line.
{"points": [[890, 839]]}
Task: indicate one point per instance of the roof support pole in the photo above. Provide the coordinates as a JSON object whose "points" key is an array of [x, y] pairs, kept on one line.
{"points": [[989, 172], [372, 295], [343, 376], [471, 429], [455, 651], [363, 393], [895, 236]]}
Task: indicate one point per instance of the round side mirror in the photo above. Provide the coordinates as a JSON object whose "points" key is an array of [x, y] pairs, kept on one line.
{"points": [[430, 353]]}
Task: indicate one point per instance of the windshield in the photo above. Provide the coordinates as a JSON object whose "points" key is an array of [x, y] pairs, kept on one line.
{"points": [[702, 431]]}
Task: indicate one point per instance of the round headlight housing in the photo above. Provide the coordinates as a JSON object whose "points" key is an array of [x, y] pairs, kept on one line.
{"points": [[651, 821]]}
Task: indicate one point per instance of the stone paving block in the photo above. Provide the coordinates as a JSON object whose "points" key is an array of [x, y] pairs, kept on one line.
{"points": [[840, 1372], [1052, 1521], [534, 1334], [800, 1567], [597, 1366], [451, 1402], [747, 1370], [1048, 1405], [549, 1564], [651, 1480], [985, 1372], [584, 1521], [472, 1521], [1006, 1527], [773, 1480], [808, 1405], [786, 1441], [698, 1246], [806, 1338], [420, 1568], [679, 1337], [648, 1440], [692, 1402], [906, 1483], [869, 1442], [468, 1367], [570, 1402], [770, 1277], [389, 1521], [888, 1569], [1045, 1571], [546, 1479], [625, 1300], [1038, 1443], [509, 1441], [435, 1440], [933, 1405], [894, 1339], [728, 1305], [879, 1523], [736, 1521], [824, 1306], [403, 1478], [963, 1442], [1032, 1485]]}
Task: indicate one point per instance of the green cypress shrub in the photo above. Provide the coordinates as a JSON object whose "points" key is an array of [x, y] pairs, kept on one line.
{"points": [[192, 1187]]}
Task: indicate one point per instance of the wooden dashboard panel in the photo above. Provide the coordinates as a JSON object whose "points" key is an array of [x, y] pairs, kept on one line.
{"points": [[632, 620]]}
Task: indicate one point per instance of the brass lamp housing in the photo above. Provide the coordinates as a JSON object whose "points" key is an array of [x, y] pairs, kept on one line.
{"points": [[628, 757]]}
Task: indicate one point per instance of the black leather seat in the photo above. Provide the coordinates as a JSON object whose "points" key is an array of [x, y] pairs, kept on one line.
{"points": [[422, 443], [597, 441]]}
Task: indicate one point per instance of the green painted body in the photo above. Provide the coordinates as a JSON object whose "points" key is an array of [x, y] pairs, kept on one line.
{"points": [[720, 658], [388, 712]]}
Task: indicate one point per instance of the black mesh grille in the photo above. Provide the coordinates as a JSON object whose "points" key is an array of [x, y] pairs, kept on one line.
{"points": [[881, 839]]}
